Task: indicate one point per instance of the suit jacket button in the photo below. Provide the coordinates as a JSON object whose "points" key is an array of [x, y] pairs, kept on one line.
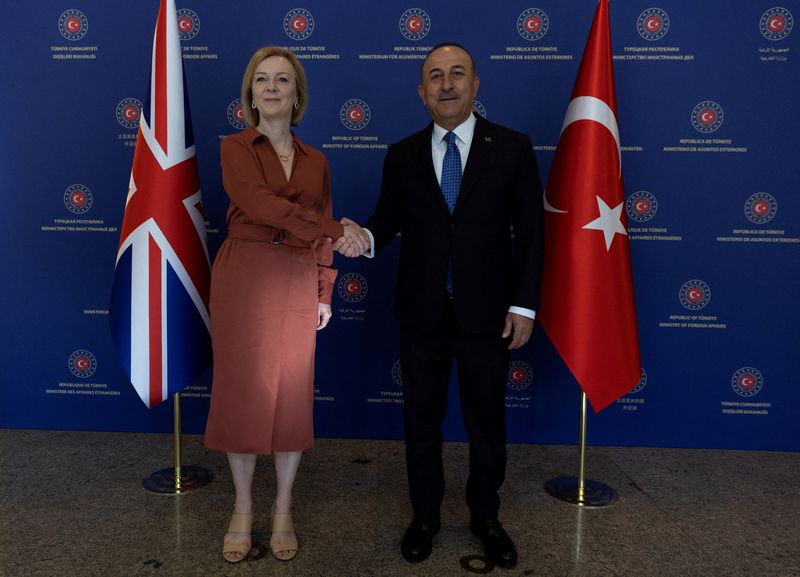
{"points": [[452, 226]]}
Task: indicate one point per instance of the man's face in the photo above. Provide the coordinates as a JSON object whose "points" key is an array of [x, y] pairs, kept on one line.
{"points": [[449, 86]]}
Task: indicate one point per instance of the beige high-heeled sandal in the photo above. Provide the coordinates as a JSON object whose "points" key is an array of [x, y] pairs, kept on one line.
{"points": [[282, 523], [240, 524]]}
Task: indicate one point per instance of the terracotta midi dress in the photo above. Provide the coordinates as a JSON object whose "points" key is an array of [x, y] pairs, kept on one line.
{"points": [[268, 278]]}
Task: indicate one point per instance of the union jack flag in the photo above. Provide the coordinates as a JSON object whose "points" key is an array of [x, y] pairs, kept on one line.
{"points": [[159, 301]]}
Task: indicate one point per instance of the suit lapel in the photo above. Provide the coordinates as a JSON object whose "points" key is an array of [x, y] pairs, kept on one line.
{"points": [[479, 153]]}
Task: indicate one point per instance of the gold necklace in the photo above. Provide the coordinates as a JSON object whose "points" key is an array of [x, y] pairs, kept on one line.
{"points": [[283, 157], [287, 156]]}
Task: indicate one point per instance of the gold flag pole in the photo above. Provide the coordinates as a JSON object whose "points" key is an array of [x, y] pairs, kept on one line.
{"points": [[177, 480], [176, 404], [581, 491]]}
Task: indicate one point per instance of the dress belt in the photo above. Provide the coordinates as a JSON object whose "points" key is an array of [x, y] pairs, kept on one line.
{"points": [[265, 233]]}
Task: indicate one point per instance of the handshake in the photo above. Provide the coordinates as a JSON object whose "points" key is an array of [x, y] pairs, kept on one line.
{"points": [[355, 241]]}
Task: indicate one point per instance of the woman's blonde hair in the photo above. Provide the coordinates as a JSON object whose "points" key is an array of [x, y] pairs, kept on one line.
{"points": [[300, 82]]}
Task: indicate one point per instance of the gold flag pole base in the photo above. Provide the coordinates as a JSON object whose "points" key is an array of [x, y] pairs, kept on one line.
{"points": [[579, 490], [177, 480], [191, 478], [593, 494]]}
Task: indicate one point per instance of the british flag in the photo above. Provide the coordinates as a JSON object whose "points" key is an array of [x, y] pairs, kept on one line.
{"points": [[159, 302]]}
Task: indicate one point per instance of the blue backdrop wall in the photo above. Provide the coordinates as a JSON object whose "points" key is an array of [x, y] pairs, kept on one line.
{"points": [[708, 115]]}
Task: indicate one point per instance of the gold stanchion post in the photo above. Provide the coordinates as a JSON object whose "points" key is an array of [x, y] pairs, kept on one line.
{"points": [[581, 491], [177, 480]]}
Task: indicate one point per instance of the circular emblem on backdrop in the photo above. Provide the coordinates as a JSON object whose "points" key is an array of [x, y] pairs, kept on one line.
{"points": [[188, 23], [653, 24], [298, 24], [760, 208], [520, 376], [397, 373], [641, 206], [73, 24], [352, 287], [236, 115], [641, 384], [707, 116], [82, 364], [128, 112], [415, 24], [355, 114], [747, 382], [533, 24], [694, 294], [479, 108], [776, 23], [78, 199]]}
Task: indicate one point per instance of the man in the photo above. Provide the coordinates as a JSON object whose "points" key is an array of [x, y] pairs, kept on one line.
{"points": [[467, 288]]}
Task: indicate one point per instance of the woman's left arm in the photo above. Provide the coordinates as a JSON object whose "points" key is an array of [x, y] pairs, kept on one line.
{"points": [[324, 252]]}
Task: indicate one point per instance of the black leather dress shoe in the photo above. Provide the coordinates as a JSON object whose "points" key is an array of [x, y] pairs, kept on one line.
{"points": [[497, 545], [418, 538]]}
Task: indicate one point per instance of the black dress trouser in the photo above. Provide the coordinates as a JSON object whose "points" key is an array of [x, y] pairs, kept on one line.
{"points": [[482, 361]]}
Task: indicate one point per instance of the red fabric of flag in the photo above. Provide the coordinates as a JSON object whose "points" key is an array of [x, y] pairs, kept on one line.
{"points": [[587, 306]]}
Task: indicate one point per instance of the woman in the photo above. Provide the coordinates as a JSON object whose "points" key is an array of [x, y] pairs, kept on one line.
{"points": [[271, 287]]}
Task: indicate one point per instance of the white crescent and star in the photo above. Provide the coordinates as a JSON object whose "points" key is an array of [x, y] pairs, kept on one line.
{"points": [[609, 222], [596, 110]]}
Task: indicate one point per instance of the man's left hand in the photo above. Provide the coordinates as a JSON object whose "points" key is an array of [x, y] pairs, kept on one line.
{"points": [[519, 328]]}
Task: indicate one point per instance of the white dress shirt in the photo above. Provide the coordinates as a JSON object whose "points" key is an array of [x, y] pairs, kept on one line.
{"points": [[463, 132]]}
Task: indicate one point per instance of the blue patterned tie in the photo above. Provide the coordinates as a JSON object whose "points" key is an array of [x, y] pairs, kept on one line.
{"points": [[451, 183], [451, 171]]}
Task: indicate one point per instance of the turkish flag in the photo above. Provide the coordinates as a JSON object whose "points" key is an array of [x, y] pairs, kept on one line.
{"points": [[587, 306]]}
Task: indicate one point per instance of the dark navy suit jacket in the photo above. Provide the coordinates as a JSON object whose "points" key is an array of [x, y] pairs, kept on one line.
{"points": [[494, 236]]}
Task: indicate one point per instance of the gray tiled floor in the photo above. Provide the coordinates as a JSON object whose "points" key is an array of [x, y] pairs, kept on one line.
{"points": [[72, 505]]}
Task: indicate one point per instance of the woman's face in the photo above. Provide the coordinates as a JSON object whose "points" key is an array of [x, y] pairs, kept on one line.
{"points": [[274, 88]]}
